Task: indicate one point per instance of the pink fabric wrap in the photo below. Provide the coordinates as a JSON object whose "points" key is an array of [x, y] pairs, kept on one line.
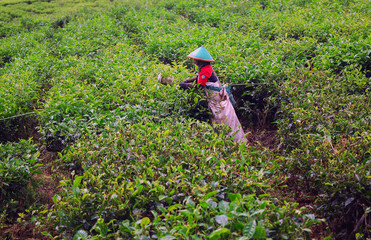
{"points": [[223, 111]]}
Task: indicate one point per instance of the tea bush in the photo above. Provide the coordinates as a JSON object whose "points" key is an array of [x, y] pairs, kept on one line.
{"points": [[341, 54], [185, 185], [25, 74], [11, 11], [98, 92], [326, 130], [18, 163]]}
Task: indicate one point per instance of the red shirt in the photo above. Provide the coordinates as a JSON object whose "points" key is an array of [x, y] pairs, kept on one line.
{"points": [[204, 75]]}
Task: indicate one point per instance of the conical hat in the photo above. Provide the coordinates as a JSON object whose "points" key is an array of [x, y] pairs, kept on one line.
{"points": [[201, 54]]}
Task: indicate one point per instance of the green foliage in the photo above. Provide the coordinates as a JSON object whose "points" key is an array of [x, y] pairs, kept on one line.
{"points": [[326, 129], [162, 195], [18, 163], [143, 166], [341, 55]]}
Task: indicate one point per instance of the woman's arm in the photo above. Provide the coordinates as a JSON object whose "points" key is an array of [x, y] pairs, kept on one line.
{"points": [[190, 80], [188, 83]]}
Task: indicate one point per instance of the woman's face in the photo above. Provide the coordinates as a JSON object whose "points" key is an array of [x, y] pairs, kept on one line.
{"points": [[198, 63]]}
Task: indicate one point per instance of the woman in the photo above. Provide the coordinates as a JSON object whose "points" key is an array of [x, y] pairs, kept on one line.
{"points": [[218, 98]]}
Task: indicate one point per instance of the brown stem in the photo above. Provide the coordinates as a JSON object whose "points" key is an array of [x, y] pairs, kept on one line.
{"points": [[359, 223]]}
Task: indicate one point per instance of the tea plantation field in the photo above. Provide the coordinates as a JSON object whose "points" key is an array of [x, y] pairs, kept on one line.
{"points": [[93, 146]]}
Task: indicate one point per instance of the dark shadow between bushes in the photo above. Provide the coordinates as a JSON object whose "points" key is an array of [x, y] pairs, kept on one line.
{"points": [[14, 130], [256, 113]]}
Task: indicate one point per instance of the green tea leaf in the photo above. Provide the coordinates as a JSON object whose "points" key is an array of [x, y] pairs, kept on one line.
{"points": [[167, 237], [162, 197], [249, 229], [77, 181], [221, 219], [234, 197], [260, 232], [217, 234], [80, 235], [258, 212], [223, 206], [173, 207], [210, 194], [45, 233], [145, 221]]}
